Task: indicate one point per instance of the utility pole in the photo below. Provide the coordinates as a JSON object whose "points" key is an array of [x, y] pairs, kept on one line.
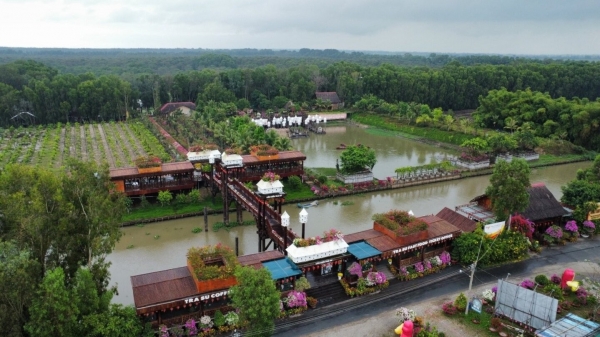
{"points": [[473, 266]]}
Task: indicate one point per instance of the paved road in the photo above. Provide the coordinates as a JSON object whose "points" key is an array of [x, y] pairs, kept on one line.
{"points": [[550, 260]]}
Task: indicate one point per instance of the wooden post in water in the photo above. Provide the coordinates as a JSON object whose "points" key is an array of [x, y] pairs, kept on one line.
{"points": [[237, 247], [205, 219]]}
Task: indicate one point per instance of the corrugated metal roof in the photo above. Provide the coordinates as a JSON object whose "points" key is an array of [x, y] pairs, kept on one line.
{"points": [[256, 260], [162, 286], [332, 96], [167, 168], [380, 241], [438, 226], [282, 156], [282, 268], [570, 326], [460, 221], [362, 250], [362, 236]]}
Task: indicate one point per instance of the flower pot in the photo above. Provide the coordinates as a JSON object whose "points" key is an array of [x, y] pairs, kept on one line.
{"points": [[585, 236], [502, 334], [493, 329]]}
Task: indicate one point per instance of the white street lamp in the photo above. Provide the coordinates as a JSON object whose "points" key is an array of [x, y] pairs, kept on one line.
{"points": [[285, 219], [303, 219]]}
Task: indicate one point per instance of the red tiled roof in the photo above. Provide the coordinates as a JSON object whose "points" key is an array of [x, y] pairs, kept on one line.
{"points": [[462, 222], [170, 107]]}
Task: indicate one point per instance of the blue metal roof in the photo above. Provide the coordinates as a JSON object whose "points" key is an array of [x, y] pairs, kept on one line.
{"points": [[362, 250], [282, 268], [570, 326]]}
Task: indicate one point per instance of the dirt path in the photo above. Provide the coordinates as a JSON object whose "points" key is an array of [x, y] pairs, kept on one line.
{"points": [[35, 158], [61, 148], [125, 156], [84, 153], [97, 156], [107, 151], [125, 140], [138, 147], [72, 145]]}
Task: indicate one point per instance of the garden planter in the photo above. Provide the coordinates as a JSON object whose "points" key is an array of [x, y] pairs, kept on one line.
{"points": [[403, 240], [265, 158], [204, 286], [149, 169]]}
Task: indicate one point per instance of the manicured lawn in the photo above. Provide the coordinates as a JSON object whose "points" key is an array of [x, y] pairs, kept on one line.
{"points": [[158, 211]]}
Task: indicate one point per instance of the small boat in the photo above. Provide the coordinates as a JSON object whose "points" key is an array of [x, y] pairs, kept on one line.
{"points": [[310, 204], [341, 147]]}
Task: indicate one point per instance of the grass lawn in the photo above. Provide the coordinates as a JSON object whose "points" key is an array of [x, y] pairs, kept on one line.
{"points": [[157, 211], [302, 193]]}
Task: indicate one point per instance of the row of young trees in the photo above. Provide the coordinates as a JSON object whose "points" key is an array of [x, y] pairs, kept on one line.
{"points": [[33, 87], [56, 230]]}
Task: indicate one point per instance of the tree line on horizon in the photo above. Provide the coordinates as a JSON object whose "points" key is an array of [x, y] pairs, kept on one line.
{"points": [[53, 96]]}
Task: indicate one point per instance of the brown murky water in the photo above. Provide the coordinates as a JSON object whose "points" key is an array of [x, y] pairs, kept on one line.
{"points": [[163, 245]]}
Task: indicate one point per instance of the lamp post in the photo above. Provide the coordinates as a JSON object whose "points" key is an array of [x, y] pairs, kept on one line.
{"points": [[303, 219], [285, 222]]}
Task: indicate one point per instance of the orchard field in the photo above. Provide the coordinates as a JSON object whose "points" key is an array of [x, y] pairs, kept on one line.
{"points": [[116, 143]]}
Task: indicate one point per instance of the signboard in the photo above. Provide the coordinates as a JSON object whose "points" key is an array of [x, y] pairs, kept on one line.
{"points": [[595, 215], [422, 243], [476, 305], [493, 230]]}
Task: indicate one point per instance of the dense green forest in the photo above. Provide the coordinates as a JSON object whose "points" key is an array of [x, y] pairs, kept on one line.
{"points": [[52, 95], [172, 61], [576, 120]]}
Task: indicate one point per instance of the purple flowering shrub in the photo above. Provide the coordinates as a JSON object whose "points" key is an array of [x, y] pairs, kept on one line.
{"points": [[190, 327], [403, 271], [375, 278], [555, 279], [495, 289], [582, 295], [553, 234], [571, 226], [355, 269], [419, 267], [296, 299], [427, 264], [445, 257], [527, 284], [589, 227]]}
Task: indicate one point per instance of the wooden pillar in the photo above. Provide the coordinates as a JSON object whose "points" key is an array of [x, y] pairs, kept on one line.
{"points": [[225, 194], [240, 214], [205, 219]]}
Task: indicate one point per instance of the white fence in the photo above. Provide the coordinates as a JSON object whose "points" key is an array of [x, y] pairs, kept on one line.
{"points": [[355, 178]]}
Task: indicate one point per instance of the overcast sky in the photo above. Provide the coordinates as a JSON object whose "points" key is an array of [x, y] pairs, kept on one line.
{"points": [[452, 26]]}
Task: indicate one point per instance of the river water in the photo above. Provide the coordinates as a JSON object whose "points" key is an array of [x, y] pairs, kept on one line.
{"points": [[163, 245]]}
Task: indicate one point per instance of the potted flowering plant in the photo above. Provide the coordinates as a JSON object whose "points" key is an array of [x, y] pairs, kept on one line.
{"points": [[571, 230], [553, 234], [588, 228], [270, 177]]}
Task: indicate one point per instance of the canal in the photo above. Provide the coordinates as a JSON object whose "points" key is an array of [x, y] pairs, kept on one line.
{"points": [[163, 245]]}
